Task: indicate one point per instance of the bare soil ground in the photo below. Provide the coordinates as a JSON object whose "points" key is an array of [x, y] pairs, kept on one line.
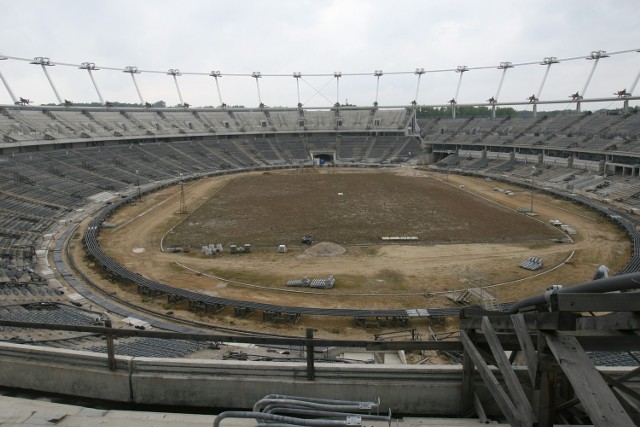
{"points": [[369, 275]]}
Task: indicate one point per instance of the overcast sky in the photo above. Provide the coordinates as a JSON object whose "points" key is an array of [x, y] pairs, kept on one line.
{"points": [[316, 37]]}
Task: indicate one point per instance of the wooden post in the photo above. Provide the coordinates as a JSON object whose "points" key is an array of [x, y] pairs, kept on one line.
{"points": [[468, 371]]}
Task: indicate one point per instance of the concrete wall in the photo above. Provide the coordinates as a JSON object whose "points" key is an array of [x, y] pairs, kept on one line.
{"points": [[226, 384], [406, 389]]}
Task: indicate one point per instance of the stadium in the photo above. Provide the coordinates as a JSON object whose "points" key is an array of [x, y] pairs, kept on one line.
{"points": [[158, 255]]}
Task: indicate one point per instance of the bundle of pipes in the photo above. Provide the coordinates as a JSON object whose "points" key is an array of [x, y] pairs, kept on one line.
{"points": [[314, 412]]}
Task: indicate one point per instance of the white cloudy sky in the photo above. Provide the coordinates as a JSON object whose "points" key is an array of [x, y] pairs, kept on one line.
{"points": [[316, 36]]}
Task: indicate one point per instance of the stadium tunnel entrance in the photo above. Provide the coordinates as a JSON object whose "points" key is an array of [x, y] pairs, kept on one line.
{"points": [[322, 159]]}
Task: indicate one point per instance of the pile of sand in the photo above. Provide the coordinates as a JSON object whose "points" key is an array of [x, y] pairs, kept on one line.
{"points": [[325, 249]]}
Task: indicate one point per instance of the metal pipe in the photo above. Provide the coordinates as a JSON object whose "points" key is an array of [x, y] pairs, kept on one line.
{"points": [[312, 412], [317, 406], [272, 397], [278, 419], [610, 284]]}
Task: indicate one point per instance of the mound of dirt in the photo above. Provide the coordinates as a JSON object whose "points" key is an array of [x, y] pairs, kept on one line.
{"points": [[325, 249]]}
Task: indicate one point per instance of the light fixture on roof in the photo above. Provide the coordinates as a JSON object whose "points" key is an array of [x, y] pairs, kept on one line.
{"points": [[505, 65], [88, 66], [597, 54], [42, 60], [548, 60]]}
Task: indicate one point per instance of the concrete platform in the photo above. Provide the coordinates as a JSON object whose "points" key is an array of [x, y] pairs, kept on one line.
{"points": [[16, 411]]}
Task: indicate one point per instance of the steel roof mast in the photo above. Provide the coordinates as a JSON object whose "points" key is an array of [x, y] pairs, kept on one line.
{"points": [[595, 57], [133, 70], [215, 75], [623, 93], [297, 75], [44, 63], [258, 75], [377, 73], [548, 61], [454, 101], [90, 66], [175, 73], [504, 66], [6, 84], [337, 75]]}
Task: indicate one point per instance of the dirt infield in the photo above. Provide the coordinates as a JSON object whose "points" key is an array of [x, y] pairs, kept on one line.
{"points": [[369, 275], [269, 209]]}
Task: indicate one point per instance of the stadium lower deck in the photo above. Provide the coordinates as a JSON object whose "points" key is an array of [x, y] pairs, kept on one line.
{"points": [[60, 165]]}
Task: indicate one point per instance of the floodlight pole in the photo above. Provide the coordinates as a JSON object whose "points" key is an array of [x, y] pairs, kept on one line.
{"points": [[377, 73], [337, 75], [297, 75], [44, 63], [257, 75], [133, 70], [419, 72], [175, 72], [6, 84], [215, 75], [90, 66]]}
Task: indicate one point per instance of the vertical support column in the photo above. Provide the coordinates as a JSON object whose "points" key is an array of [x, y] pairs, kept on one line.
{"points": [[337, 75], [311, 372], [110, 349]]}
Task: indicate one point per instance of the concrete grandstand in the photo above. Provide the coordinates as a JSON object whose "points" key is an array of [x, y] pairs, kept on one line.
{"points": [[61, 165]]}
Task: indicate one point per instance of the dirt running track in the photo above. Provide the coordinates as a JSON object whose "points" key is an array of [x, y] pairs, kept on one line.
{"points": [[370, 276]]}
